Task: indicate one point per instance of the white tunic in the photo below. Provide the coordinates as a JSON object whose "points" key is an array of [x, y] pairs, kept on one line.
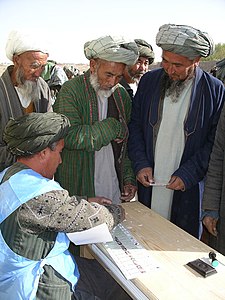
{"points": [[134, 87], [106, 180], [169, 149], [24, 101]]}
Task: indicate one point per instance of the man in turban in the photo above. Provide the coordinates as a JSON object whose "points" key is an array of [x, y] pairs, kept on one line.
{"points": [[219, 70], [95, 160], [132, 74], [21, 89], [173, 122], [36, 213], [55, 76]]}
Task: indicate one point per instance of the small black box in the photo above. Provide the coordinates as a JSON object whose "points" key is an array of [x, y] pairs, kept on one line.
{"points": [[202, 267]]}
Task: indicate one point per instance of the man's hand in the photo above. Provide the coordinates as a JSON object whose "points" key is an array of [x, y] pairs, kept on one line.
{"points": [[100, 200], [129, 192], [144, 176], [118, 141], [210, 224], [123, 214], [118, 213], [176, 183]]}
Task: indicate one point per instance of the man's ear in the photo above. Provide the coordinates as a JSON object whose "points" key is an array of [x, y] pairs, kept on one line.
{"points": [[93, 65], [196, 61], [15, 59], [43, 153]]}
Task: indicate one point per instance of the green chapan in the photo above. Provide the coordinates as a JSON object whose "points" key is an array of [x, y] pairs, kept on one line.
{"points": [[34, 132]]}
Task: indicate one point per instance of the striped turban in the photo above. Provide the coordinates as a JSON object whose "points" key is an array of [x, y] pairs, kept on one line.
{"points": [[112, 48], [184, 40], [34, 132]]}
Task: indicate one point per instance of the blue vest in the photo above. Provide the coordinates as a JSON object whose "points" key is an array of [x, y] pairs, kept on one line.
{"points": [[19, 276]]}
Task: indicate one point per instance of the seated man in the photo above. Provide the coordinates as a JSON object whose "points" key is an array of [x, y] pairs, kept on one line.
{"points": [[36, 213]]}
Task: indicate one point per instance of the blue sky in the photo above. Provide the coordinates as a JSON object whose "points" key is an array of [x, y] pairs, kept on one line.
{"points": [[67, 24]]}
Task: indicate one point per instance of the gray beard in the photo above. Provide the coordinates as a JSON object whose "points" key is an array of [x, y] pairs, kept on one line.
{"points": [[96, 86], [134, 77], [174, 88], [27, 88]]}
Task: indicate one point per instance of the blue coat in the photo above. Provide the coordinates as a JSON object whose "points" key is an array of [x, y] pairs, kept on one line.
{"points": [[207, 99]]}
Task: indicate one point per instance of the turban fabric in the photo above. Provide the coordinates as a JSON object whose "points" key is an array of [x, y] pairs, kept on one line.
{"points": [[34, 132], [112, 48], [19, 43], [184, 40], [145, 50]]}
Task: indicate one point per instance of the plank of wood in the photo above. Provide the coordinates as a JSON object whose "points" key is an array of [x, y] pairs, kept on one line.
{"points": [[172, 248]]}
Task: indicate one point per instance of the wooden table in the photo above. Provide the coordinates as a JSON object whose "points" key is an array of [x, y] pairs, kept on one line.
{"points": [[172, 248]]}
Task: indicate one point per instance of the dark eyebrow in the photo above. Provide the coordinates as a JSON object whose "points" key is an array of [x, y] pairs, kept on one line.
{"points": [[109, 73]]}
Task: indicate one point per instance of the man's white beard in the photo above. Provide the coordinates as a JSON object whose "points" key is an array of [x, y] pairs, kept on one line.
{"points": [[96, 87], [27, 88]]}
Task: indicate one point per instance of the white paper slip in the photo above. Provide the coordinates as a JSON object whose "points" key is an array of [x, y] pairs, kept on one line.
{"points": [[158, 184], [97, 234], [130, 257]]}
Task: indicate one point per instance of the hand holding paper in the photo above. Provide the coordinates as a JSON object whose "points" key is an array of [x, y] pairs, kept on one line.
{"points": [[98, 234]]}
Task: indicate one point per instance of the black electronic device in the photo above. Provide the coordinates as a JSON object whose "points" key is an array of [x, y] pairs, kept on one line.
{"points": [[212, 256], [202, 267]]}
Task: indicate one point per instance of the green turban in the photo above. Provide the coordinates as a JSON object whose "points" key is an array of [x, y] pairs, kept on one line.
{"points": [[112, 48], [184, 40], [145, 50], [34, 132]]}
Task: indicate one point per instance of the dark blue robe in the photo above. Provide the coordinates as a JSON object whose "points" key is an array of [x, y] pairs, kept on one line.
{"points": [[206, 102]]}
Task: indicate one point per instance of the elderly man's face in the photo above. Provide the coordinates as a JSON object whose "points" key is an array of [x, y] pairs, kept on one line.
{"points": [[178, 67], [30, 64], [139, 69], [108, 73]]}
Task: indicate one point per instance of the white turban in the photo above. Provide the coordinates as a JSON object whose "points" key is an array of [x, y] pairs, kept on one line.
{"points": [[112, 48], [19, 43], [184, 40]]}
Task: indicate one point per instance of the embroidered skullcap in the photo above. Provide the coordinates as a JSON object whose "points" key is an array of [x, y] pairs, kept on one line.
{"points": [[184, 40], [19, 42], [34, 132], [112, 48], [145, 50]]}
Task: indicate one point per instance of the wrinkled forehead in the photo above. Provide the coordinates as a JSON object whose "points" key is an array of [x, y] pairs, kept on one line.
{"points": [[33, 55], [31, 58], [105, 66]]}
